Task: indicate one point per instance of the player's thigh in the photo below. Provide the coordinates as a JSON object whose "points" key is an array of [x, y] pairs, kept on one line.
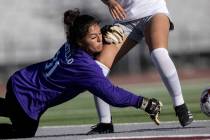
{"points": [[125, 48], [111, 53], [156, 32]]}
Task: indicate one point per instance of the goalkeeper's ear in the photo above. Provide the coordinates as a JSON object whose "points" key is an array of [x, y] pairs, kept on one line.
{"points": [[112, 34]]}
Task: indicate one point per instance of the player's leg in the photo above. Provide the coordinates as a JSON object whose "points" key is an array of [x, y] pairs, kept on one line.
{"points": [[111, 53], [22, 125], [3, 107], [6, 131], [156, 35], [105, 120], [23, 130], [103, 110]]}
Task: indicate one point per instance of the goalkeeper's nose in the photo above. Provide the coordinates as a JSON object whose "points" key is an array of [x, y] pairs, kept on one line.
{"points": [[99, 38]]}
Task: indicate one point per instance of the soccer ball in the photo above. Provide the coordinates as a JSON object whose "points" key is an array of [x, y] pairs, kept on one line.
{"points": [[205, 102]]}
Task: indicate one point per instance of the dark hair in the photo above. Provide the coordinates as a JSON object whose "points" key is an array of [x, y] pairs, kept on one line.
{"points": [[77, 25]]}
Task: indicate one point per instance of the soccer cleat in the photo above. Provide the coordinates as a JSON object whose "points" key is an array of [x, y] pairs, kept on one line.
{"points": [[101, 128], [153, 108], [184, 115]]}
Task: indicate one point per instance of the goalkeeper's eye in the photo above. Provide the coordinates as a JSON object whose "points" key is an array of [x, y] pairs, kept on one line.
{"points": [[95, 36]]}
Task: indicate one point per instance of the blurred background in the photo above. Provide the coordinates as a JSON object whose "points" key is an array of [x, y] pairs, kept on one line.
{"points": [[32, 31]]}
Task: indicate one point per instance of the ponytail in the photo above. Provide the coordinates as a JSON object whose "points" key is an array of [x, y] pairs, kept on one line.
{"points": [[68, 20]]}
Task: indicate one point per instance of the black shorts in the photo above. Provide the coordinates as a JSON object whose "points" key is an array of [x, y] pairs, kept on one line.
{"points": [[22, 124]]}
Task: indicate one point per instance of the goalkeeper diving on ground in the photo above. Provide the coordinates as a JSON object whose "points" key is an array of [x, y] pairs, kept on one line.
{"points": [[73, 70]]}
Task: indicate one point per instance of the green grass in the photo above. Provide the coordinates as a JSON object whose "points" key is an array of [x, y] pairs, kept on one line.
{"points": [[81, 110]]}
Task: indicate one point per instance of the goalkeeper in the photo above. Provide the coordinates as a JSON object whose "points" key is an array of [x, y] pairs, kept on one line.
{"points": [[34, 89]]}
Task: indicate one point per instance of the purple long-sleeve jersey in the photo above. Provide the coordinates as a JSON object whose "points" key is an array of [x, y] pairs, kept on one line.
{"points": [[70, 72]]}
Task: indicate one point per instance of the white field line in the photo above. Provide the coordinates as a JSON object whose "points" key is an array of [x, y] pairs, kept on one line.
{"points": [[143, 137], [117, 124]]}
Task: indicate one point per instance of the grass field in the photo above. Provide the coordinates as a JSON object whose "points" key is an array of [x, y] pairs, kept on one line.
{"points": [[81, 110]]}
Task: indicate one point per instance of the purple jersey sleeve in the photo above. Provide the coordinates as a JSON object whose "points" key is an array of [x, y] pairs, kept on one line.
{"points": [[95, 82]]}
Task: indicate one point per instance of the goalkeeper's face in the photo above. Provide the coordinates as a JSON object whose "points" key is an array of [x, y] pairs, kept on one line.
{"points": [[92, 41]]}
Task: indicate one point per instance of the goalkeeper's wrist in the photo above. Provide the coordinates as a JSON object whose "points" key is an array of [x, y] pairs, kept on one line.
{"points": [[144, 103]]}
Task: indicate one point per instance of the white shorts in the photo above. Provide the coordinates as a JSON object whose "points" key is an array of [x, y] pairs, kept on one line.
{"points": [[135, 29]]}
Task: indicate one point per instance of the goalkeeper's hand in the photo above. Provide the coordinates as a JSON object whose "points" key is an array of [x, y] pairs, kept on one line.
{"points": [[155, 118], [153, 108], [112, 34]]}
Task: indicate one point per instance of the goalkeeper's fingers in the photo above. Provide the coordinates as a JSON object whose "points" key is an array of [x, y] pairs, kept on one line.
{"points": [[155, 118], [113, 34], [111, 38]]}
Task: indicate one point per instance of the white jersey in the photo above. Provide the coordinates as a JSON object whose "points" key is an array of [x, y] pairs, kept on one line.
{"points": [[137, 9]]}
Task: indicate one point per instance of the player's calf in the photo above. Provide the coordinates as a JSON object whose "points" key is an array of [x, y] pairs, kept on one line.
{"points": [[152, 107]]}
